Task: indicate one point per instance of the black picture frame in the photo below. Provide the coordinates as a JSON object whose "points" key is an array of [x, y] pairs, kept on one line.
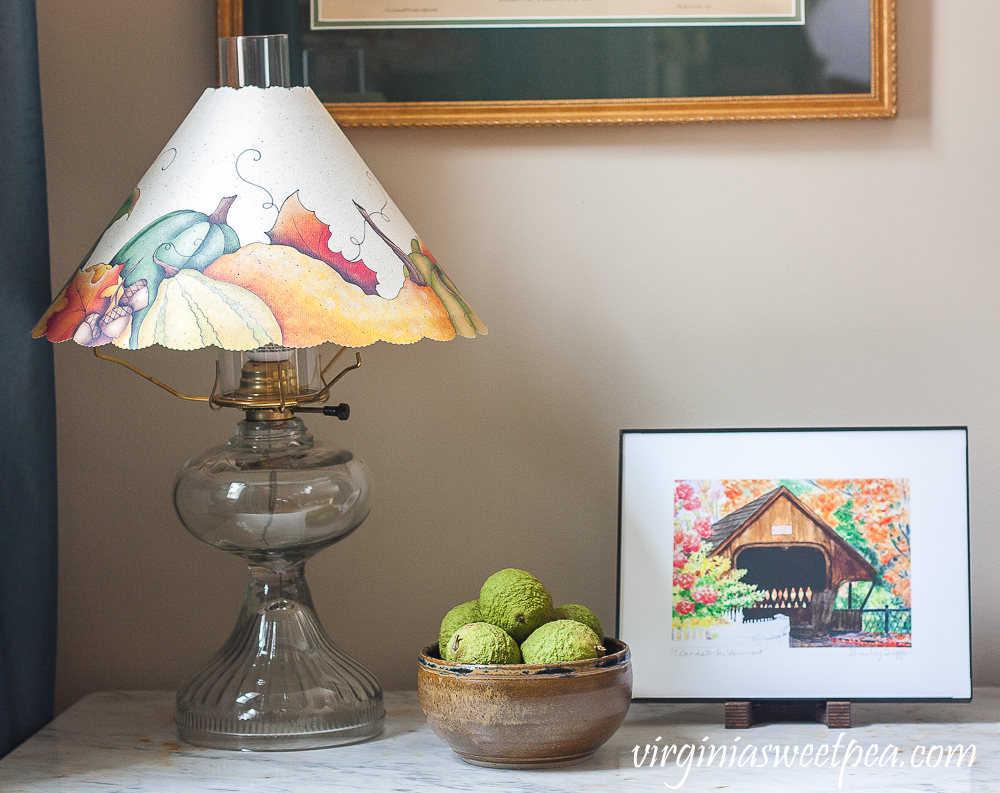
{"points": [[962, 692]]}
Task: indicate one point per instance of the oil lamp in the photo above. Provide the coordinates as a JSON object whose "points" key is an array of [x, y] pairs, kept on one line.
{"points": [[259, 230]]}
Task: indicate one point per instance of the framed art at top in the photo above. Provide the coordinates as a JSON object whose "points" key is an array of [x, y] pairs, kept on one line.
{"points": [[795, 564], [525, 62]]}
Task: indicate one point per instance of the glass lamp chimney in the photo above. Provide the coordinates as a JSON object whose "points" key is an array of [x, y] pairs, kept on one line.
{"points": [[254, 60]]}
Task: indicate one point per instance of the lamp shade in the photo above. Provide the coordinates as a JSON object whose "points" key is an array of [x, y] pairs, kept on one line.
{"points": [[258, 224]]}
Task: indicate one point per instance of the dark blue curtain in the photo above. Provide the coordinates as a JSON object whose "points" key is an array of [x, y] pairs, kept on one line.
{"points": [[27, 395]]}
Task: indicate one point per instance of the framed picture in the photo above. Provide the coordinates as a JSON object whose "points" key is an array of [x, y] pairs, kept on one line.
{"points": [[524, 62], [795, 564]]}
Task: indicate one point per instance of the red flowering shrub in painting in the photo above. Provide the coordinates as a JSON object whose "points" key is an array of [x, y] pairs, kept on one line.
{"points": [[684, 492], [684, 580], [704, 594], [706, 588], [691, 543], [684, 607]]}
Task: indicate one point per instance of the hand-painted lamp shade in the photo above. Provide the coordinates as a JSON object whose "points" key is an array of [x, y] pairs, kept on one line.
{"points": [[258, 224]]}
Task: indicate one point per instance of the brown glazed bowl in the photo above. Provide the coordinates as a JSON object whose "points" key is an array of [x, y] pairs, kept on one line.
{"points": [[526, 715]]}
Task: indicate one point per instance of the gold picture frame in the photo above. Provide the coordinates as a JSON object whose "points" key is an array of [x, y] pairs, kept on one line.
{"points": [[880, 102]]}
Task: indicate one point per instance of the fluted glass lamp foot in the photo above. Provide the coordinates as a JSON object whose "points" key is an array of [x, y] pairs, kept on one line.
{"points": [[278, 682]]}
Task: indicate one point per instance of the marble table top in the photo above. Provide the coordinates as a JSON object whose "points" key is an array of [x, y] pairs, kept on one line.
{"points": [[125, 741]]}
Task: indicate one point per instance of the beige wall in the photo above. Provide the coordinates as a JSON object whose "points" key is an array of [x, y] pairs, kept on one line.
{"points": [[790, 274]]}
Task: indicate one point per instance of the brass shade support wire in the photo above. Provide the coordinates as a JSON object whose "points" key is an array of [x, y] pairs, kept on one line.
{"points": [[212, 404], [320, 396], [154, 381], [324, 393], [319, 361]]}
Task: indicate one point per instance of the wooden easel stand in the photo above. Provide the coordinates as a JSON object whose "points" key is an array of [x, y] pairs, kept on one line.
{"points": [[745, 714]]}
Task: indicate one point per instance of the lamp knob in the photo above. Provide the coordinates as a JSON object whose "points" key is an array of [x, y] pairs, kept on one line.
{"points": [[341, 411]]}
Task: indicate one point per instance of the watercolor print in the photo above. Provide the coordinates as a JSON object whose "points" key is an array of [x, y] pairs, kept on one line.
{"points": [[795, 562], [185, 282]]}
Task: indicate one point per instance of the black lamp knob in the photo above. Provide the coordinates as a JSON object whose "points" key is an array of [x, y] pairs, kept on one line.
{"points": [[341, 411]]}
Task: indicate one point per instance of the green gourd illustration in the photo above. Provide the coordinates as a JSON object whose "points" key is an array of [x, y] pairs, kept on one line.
{"points": [[180, 240]]}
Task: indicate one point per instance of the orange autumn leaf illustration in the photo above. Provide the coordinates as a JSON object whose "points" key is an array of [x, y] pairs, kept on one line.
{"points": [[89, 291], [299, 228]]}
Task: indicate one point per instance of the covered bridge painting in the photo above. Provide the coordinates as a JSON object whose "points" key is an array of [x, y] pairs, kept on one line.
{"points": [[775, 554]]}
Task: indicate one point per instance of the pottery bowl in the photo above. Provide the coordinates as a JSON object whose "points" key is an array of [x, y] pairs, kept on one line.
{"points": [[526, 715]]}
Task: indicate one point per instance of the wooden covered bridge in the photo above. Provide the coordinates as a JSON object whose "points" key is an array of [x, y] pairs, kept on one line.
{"points": [[795, 558]]}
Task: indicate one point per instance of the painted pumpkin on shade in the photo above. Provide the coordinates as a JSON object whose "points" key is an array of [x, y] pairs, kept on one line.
{"points": [[314, 304], [192, 311], [181, 240]]}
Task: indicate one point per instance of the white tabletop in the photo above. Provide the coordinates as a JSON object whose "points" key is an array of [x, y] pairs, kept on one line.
{"points": [[125, 741]]}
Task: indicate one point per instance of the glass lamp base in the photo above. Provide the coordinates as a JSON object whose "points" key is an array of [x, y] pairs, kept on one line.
{"points": [[279, 683], [274, 497]]}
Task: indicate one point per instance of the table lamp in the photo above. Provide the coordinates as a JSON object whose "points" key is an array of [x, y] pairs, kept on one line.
{"points": [[260, 230]]}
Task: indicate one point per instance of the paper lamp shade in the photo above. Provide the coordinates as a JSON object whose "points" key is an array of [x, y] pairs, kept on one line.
{"points": [[258, 223]]}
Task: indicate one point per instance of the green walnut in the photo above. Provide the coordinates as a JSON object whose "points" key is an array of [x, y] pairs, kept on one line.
{"points": [[455, 619], [481, 643], [574, 611], [560, 641], [516, 601]]}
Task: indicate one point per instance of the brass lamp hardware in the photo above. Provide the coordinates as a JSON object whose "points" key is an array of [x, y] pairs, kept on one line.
{"points": [[333, 360], [154, 381], [259, 381], [324, 393]]}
